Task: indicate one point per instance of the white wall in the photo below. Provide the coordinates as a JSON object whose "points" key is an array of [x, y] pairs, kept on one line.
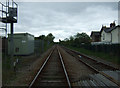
{"points": [[107, 37], [115, 35]]}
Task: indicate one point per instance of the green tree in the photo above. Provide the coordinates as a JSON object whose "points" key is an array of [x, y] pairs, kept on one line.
{"points": [[42, 37], [50, 37], [82, 38], [71, 40], [59, 40], [66, 39], [77, 40]]}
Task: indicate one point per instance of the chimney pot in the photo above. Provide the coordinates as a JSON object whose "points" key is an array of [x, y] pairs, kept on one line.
{"points": [[112, 24]]}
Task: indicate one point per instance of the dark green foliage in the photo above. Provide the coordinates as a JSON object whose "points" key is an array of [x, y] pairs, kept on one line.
{"points": [[82, 38], [114, 58], [82, 42], [49, 37], [42, 43], [77, 40]]}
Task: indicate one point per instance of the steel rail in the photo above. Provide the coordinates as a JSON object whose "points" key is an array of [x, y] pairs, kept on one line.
{"points": [[85, 56], [102, 73], [61, 59], [31, 84]]}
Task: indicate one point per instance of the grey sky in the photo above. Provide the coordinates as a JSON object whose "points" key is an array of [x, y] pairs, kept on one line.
{"points": [[64, 19]]}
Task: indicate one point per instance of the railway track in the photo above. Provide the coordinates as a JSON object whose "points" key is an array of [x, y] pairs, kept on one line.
{"points": [[52, 73], [107, 76], [66, 68]]}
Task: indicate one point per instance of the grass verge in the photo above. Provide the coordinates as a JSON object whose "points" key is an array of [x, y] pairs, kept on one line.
{"points": [[104, 56]]}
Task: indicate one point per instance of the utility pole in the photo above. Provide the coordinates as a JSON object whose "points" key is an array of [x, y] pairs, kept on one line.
{"points": [[9, 15], [11, 41]]}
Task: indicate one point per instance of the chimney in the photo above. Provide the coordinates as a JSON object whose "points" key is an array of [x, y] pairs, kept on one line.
{"points": [[112, 24]]}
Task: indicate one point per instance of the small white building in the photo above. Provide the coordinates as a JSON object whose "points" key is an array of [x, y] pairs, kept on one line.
{"points": [[110, 34]]}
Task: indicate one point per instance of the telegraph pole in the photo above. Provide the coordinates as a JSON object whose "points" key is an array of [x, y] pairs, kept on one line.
{"points": [[12, 42], [11, 17]]}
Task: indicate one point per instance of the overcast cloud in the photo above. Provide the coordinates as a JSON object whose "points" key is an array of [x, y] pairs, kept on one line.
{"points": [[64, 19]]}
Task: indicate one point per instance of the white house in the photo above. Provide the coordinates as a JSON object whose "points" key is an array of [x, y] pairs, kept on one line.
{"points": [[110, 34]]}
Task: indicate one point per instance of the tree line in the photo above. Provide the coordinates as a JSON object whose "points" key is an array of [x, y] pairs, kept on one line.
{"points": [[76, 40], [49, 38]]}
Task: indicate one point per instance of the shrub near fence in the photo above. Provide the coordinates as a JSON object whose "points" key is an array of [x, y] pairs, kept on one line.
{"points": [[112, 49], [41, 46]]}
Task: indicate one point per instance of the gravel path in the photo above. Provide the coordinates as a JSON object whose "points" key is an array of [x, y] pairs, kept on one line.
{"points": [[76, 70], [25, 74]]}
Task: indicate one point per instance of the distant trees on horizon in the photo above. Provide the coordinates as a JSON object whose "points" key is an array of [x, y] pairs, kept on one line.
{"points": [[49, 37], [76, 40]]}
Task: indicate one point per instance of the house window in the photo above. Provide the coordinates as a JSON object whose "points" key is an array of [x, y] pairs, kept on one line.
{"points": [[103, 36]]}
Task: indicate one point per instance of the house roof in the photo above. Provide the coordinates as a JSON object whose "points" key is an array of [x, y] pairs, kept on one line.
{"points": [[22, 34], [95, 33], [108, 29]]}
